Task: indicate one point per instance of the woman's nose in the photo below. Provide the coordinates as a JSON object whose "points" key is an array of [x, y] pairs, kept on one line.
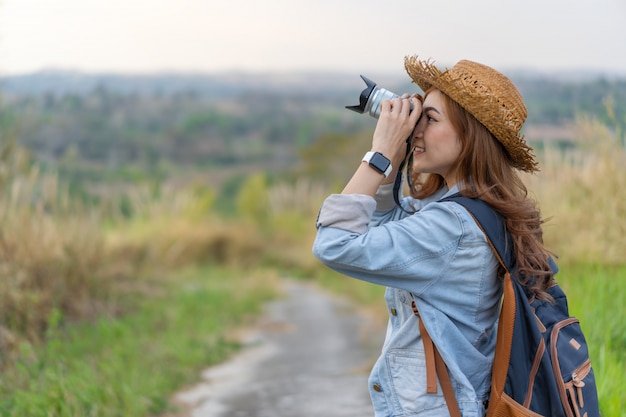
{"points": [[420, 127]]}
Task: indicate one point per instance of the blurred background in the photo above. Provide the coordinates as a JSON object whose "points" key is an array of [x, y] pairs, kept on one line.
{"points": [[162, 164]]}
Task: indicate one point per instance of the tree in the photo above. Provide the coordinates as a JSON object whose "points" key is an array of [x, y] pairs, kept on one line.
{"points": [[252, 198]]}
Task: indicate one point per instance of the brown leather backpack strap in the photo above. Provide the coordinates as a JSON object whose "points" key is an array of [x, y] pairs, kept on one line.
{"points": [[446, 385], [436, 368], [429, 355]]}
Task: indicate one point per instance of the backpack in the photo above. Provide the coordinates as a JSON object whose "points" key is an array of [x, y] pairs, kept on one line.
{"points": [[541, 364]]}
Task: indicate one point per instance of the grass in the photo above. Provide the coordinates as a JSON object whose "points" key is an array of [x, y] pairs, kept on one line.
{"points": [[129, 365], [597, 296], [52, 261], [103, 315], [581, 192]]}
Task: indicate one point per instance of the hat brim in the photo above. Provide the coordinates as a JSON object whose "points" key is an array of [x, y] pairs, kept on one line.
{"points": [[462, 86]]}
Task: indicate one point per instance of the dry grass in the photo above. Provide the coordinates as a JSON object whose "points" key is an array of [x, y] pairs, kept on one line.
{"points": [[175, 242], [60, 264], [581, 193], [51, 260]]}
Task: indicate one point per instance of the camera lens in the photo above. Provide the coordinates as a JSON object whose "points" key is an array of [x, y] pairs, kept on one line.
{"points": [[377, 97], [371, 98]]}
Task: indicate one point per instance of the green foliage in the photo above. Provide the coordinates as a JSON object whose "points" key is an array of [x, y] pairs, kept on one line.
{"points": [[202, 202], [109, 136], [555, 101], [334, 157], [252, 203], [225, 203]]}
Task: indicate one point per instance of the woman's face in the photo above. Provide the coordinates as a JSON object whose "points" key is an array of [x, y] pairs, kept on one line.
{"points": [[436, 145]]}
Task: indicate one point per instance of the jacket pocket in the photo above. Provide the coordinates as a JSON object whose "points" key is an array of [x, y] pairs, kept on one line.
{"points": [[407, 376]]}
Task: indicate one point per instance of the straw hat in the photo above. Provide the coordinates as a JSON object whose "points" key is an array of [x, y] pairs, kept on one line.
{"points": [[486, 94]]}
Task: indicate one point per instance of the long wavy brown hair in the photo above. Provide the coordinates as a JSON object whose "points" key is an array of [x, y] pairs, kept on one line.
{"points": [[488, 174]]}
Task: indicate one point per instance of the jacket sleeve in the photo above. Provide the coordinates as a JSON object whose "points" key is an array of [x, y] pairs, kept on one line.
{"points": [[410, 253], [387, 210]]}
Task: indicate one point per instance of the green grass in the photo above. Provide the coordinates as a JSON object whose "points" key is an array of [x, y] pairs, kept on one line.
{"points": [[597, 296], [131, 365]]}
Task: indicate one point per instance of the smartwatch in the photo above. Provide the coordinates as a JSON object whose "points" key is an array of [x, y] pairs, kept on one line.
{"points": [[379, 162]]}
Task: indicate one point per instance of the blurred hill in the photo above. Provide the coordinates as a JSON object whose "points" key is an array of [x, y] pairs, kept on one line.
{"points": [[230, 84], [208, 85], [108, 128]]}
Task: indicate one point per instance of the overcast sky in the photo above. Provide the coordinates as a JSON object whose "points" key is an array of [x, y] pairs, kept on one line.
{"points": [[283, 35]]}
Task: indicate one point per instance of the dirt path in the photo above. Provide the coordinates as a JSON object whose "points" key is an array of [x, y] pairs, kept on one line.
{"points": [[310, 356]]}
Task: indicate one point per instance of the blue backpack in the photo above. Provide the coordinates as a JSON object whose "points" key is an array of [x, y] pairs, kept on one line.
{"points": [[541, 365]]}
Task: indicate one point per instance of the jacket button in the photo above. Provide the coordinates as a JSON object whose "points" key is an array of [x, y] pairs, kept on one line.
{"points": [[377, 388], [394, 312]]}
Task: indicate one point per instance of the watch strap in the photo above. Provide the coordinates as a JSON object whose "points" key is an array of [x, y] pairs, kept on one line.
{"points": [[379, 162]]}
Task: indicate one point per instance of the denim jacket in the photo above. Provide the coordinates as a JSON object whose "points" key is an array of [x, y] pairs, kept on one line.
{"points": [[441, 259]]}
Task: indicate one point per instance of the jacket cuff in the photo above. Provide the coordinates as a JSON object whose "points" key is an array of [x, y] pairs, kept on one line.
{"points": [[349, 212], [384, 197]]}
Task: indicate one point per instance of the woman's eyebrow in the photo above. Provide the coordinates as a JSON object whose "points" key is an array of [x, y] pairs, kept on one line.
{"points": [[427, 109]]}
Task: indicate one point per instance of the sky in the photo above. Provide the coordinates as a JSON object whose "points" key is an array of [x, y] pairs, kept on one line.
{"points": [[209, 36]]}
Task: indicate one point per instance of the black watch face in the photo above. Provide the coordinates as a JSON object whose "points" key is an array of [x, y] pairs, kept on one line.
{"points": [[380, 162]]}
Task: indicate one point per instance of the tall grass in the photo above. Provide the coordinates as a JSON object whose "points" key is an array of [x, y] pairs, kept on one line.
{"points": [[51, 260], [582, 195], [174, 227]]}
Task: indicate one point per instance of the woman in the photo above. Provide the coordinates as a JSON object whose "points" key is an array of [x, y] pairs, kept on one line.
{"points": [[465, 138]]}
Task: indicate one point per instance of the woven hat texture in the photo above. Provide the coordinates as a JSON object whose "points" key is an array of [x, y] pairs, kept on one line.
{"points": [[487, 95]]}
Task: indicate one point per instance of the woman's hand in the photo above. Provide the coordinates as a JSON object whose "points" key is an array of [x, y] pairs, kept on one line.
{"points": [[395, 124]]}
